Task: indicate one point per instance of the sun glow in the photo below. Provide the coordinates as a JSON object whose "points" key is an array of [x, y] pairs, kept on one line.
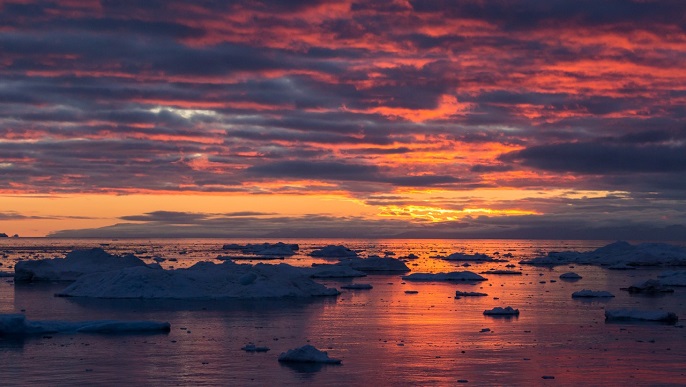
{"points": [[437, 214]]}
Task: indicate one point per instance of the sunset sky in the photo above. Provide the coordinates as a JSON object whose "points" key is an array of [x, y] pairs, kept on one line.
{"points": [[484, 118]]}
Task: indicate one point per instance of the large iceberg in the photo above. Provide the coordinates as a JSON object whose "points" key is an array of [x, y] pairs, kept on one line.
{"points": [[202, 281], [307, 354], [640, 315], [17, 324], [334, 251], [618, 255], [278, 249], [452, 276], [73, 265]]}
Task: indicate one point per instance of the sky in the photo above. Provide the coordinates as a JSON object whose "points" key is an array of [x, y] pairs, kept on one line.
{"points": [[559, 119]]}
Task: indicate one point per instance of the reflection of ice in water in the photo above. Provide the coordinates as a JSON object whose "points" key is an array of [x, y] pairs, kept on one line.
{"points": [[440, 337]]}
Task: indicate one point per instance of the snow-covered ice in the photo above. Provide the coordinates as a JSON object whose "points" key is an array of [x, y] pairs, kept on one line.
{"points": [[17, 324], [450, 276], [500, 311], [618, 255], [640, 315], [334, 251], [73, 265], [204, 280], [307, 354], [586, 293]]}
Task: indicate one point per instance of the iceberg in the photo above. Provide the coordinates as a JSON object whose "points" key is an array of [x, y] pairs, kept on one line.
{"points": [[499, 311], [649, 287], [334, 251], [453, 276], [17, 324], [357, 286], [307, 354], [640, 315], [618, 255], [202, 281], [673, 278], [265, 249], [333, 271], [73, 265]]}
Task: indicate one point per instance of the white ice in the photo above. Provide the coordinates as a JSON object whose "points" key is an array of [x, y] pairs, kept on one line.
{"points": [[334, 251]]}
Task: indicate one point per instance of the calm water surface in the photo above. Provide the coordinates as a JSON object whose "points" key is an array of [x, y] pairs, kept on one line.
{"points": [[383, 335]]}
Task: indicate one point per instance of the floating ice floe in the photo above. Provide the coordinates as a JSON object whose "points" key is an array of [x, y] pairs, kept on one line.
{"points": [[570, 276], [640, 315], [673, 278], [307, 354], [618, 255], [202, 281], [469, 257], [649, 287], [375, 264], [334, 251], [250, 347], [502, 272], [469, 294], [73, 265], [17, 324], [333, 271], [585, 293], [357, 286], [499, 311], [451, 276], [278, 249]]}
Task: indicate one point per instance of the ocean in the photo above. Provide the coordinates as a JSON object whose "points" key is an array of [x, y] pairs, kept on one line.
{"points": [[384, 336]]}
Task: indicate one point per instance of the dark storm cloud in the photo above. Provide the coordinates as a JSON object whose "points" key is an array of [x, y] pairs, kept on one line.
{"points": [[598, 158]]}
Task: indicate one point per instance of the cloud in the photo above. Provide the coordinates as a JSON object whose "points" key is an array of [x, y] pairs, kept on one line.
{"points": [[598, 158]]}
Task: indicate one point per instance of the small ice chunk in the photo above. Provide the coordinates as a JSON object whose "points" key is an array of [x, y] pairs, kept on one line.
{"points": [[469, 294], [570, 276], [640, 315], [499, 311], [502, 272], [307, 354], [333, 271], [585, 293], [250, 347], [375, 264]]}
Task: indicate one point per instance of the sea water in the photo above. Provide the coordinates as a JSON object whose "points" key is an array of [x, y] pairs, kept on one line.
{"points": [[384, 336]]}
